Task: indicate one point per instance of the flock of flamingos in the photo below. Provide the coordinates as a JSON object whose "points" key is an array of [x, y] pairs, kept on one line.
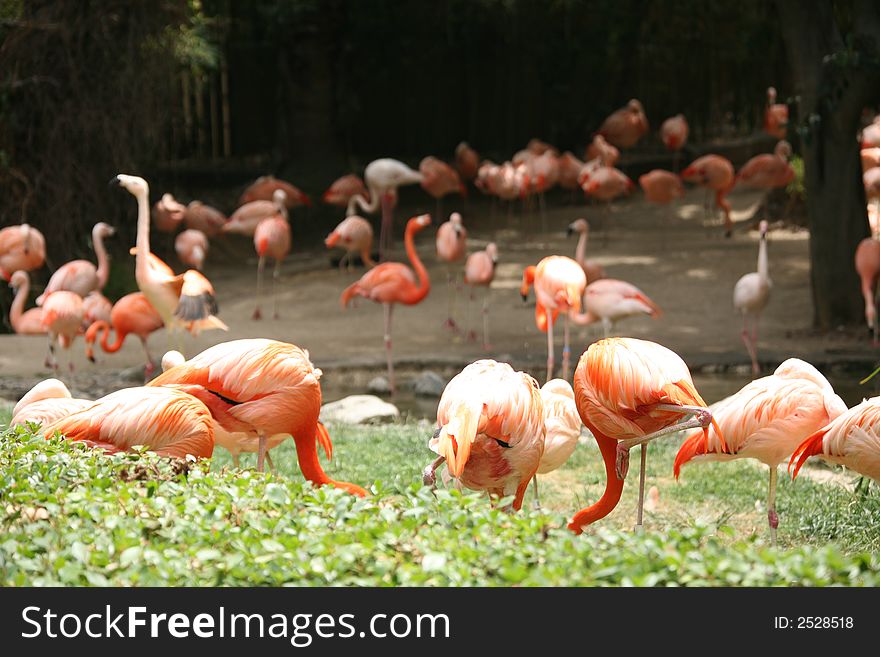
{"points": [[497, 429]]}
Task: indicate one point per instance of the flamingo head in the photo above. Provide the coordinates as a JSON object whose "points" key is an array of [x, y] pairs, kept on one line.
{"points": [[172, 359], [492, 252], [763, 227], [420, 222], [527, 281], [102, 229], [135, 185], [783, 149], [771, 95], [17, 280], [332, 239], [577, 226]]}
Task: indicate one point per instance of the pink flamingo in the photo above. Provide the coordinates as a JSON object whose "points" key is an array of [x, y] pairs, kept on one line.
{"points": [[342, 189], [62, 319], [674, 132], [45, 403], [750, 296], [775, 116], [467, 161], [191, 246], [246, 218], [871, 134], [82, 276], [609, 300], [264, 188], [132, 314], [562, 427], [868, 267], [715, 173], [202, 217], [768, 171], [662, 187], [394, 282], [600, 149], [569, 169], [168, 213], [272, 240], [592, 269], [451, 247], [606, 184], [766, 421], [624, 127], [440, 179], [355, 235], [870, 158], [479, 271], [23, 248], [23, 322], [96, 307]]}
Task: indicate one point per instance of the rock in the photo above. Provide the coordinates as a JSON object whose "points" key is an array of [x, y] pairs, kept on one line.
{"points": [[359, 409], [379, 385], [134, 373], [429, 384]]}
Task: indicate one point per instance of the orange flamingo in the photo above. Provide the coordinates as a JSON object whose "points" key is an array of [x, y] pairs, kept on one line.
{"points": [[264, 188], [185, 301], [440, 179], [775, 116], [609, 300], [23, 248], [24, 322], [62, 318], [46, 402], [852, 439], [82, 276], [394, 282], [167, 420], [750, 296], [562, 427], [592, 269], [262, 387], [342, 189], [629, 392], [272, 240], [245, 219], [191, 247], [479, 271], [624, 127], [168, 213], [355, 235], [766, 421], [559, 285], [661, 186], [490, 430], [131, 314], [467, 161], [715, 173], [204, 218], [868, 267], [451, 247], [96, 307]]}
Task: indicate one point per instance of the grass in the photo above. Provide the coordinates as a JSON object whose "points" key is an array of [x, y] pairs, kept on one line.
{"points": [[76, 516]]}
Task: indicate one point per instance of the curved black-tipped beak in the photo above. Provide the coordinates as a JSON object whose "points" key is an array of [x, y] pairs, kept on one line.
{"points": [[525, 297], [91, 358], [114, 182], [569, 231]]}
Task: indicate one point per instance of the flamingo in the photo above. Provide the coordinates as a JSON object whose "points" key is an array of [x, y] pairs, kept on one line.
{"points": [[562, 427], [46, 402], [168, 213], [775, 116], [870, 158], [96, 307], [559, 285], [264, 188], [609, 300], [662, 187], [383, 177], [540, 147], [592, 269], [245, 219], [82, 276], [394, 282], [766, 421], [674, 134], [871, 181], [355, 235], [768, 171], [868, 267], [629, 392], [624, 127], [451, 247], [569, 170], [490, 430], [22, 247], [204, 218], [599, 149], [606, 184], [262, 387], [852, 439], [24, 322], [191, 246], [169, 421], [131, 314], [751, 294], [62, 319], [272, 240], [182, 301], [342, 189], [479, 271], [440, 179], [467, 161], [715, 173], [871, 135]]}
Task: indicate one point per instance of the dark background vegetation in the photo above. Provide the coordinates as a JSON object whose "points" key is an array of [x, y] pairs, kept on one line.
{"points": [[202, 97]]}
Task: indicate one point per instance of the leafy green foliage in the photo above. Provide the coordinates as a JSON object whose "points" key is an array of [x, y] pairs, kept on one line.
{"points": [[76, 516], [796, 187]]}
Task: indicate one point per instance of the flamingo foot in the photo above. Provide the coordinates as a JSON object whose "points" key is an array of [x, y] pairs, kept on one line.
{"points": [[450, 324], [622, 465], [149, 368], [472, 336], [487, 346], [47, 363], [257, 314], [429, 477], [773, 518]]}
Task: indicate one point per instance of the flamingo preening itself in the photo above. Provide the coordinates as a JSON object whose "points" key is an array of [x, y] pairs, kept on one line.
{"points": [[355, 235], [23, 248], [393, 282], [46, 402], [750, 296], [715, 173]]}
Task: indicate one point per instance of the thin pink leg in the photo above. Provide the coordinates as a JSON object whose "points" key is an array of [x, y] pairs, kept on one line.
{"points": [[756, 368], [566, 350], [388, 308], [486, 343], [747, 341], [550, 361], [261, 453], [450, 299], [257, 314]]}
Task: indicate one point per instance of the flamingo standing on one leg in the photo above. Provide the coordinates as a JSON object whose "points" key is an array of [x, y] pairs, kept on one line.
{"points": [[609, 300], [662, 187], [592, 269], [479, 270], [46, 402], [490, 430], [767, 420], [272, 240], [262, 387], [131, 314], [394, 282], [674, 134], [82, 276], [775, 116], [340, 192], [383, 177], [562, 427], [451, 247], [24, 322], [22, 248], [355, 235], [751, 294], [715, 173], [191, 247], [629, 392], [62, 318], [559, 286], [868, 266]]}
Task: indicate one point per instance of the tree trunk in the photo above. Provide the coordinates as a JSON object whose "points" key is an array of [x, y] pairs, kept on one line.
{"points": [[831, 100]]}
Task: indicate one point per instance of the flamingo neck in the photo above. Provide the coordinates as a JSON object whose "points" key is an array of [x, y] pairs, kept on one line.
{"points": [[763, 262], [141, 267], [105, 334], [103, 261], [613, 486], [580, 252], [17, 309], [367, 258], [358, 200], [421, 290]]}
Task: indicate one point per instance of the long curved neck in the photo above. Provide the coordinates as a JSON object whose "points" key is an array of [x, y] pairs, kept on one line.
{"points": [[580, 252], [143, 235], [613, 487], [358, 200], [424, 286], [103, 261], [763, 263], [105, 335], [17, 309]]}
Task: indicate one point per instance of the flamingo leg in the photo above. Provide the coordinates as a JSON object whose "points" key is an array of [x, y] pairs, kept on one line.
{"points": [[236, 461], [429, 478], [537, 497], [470, 334], [748, 343], [550, 361], [566, 350], [149, 368], [644, 455], [387, 224], [275, 276], [388, 308], [269, 461], [257, 314], [261, 453], [450, 299], [772, 518], [486, 344], [756, 368]]}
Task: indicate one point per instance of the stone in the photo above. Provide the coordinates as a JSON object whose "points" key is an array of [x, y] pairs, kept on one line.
{"points": [[359, 409], [429, 384], [379, 385]]}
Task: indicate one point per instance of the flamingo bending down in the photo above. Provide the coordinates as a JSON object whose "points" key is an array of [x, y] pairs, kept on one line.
{"points": [[168, 421], [451, 247], [600, 151], [62, 318], [394, 282], [751, 294], [272, 240], [629, 392], [22, 248], [96, 307], [355, 235], [479, 270], [46, 402], [131, 314], [490, 430], [775, 116], [715, 173], [868, 267], [185, 301], [852, 439], [592, 269], [342, 189], [24, 322], [674, 132], [562, 426], [609, 300], [82, 276], [767, 420], [383, 177], [262, 387], [625, 126], [168, 213], [191, 247], [559, 286], [264, 188]]}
